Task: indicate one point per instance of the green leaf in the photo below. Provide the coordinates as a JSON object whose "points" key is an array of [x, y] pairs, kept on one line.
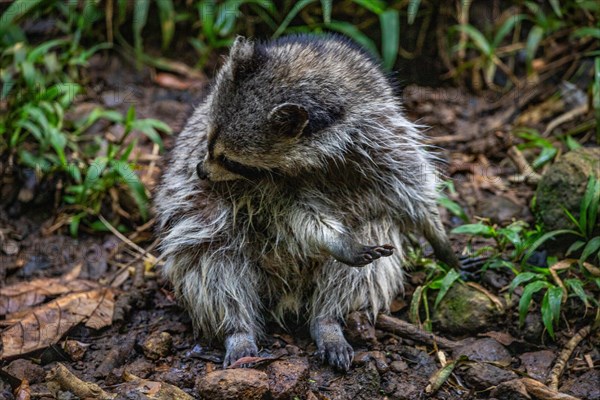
{"points": [[375, 6], [546, 155], [390, 37], [140, 17], [415, 305], [478, 229], [575, 246], [525, 300], [298, 6], [15, 11], [521, 278], [506, 28], [166, 13], [533, 42], [326, 5], [453, 207], [587, 31], [590, 248], [74, 224], [577, 287], [135, 186], [556, 8], [589, 206], [413, 8], [355, 34], [478, 39], [551, 308], [543, 239], [43, 48], [447, 282]]}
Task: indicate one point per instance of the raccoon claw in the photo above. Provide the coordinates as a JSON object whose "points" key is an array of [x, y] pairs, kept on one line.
{"points": [[372, 253], [238, 346], [338, 354]]}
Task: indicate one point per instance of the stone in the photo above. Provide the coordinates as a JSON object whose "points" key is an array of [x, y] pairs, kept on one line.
{"points": [[157, 345], [288, 378], [25, 369], [563, 185], [231, 384], [485, 350], [538, 363], [481, 376], [464, 310]]}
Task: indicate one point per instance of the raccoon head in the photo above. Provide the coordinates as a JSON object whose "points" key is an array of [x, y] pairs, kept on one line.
{"points": [[263, 117]]}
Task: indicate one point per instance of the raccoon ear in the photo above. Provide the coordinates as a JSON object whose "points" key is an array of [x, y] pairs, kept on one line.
{"points": [[288, 119], [244, 57]]}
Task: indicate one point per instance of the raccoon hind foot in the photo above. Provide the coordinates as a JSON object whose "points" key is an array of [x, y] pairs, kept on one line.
{"points": [[239, 345]]}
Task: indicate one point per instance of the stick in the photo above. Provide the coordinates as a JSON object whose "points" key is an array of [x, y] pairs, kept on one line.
{"points": [[65, 379], [565, 354], [410, 331]]}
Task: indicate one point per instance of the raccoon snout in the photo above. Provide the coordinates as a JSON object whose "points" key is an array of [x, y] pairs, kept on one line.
{"points": [[202, 174]]}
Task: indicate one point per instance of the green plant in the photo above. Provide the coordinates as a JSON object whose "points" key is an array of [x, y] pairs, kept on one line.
{"points": [[38, 88], [533, 139], [450, 204], [439, 277], [586, 223], [515, 245]]}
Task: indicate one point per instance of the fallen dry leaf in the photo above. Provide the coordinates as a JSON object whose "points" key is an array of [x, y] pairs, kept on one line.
{"points": [[44, 325], [22, 295], [170, 81]]}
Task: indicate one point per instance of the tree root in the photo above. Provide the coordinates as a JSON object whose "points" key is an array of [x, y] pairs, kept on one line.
{"points": [[410, 331], [565, 354]]}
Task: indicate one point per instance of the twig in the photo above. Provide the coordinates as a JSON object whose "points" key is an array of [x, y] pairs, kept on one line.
{"points": [[527, 173], [565, 354], [410, 331], [564, 264], [66, 381], [149, 257], [566, 117]]}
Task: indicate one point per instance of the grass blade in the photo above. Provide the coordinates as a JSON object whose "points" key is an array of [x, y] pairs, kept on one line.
{"points": [[447, 282], [478, 39], [413, 7], [355, 34], [390, 37], [293, 12], [326, 5]]}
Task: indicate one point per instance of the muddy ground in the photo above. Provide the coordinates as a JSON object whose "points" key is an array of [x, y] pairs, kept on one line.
{"points": [[150, 336]]}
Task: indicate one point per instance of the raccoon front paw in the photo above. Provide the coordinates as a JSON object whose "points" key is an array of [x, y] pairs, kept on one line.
{"points": [[237, 346], [338, 353], [367, 254]]}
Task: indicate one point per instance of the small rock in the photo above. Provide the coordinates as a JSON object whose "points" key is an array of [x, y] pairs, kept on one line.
{"points": [[486, 350], [533, 327], [288, 378], [359, 328], [465, 310], [481, 376], [501, 209], [587, 386], [75, 349], [230, 384], [10, 247], [538, 363], [377, 357], [398, 366], [157, 345], [510, 390], [25, 369]]}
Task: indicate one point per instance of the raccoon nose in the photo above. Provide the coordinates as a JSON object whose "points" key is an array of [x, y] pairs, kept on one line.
{"points": [[200, 171]]}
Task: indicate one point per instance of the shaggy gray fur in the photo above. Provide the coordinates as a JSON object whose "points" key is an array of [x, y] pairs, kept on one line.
{"points": [[299, 162]]}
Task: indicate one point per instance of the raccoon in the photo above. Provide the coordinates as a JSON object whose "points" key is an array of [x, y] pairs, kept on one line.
{"points": [[291, 190]]}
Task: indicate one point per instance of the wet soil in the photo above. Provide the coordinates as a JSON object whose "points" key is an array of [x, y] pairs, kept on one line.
{"points": [[151, 335]]}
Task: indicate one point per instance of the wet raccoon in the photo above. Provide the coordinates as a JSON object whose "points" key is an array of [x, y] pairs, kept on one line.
{"points": [[290, 190]]}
